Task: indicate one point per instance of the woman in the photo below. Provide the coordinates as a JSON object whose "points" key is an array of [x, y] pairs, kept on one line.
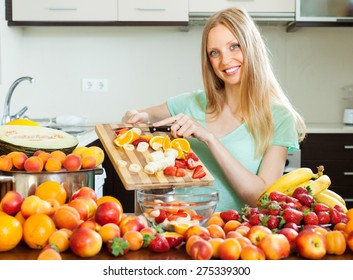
{"points": [[242, 125]]}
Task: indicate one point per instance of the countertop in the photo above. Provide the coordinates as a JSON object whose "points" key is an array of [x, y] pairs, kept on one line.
{"points": [[22, 252]]}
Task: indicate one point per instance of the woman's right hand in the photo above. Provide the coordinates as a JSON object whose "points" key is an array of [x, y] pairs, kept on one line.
{"points": [[134, 116]]}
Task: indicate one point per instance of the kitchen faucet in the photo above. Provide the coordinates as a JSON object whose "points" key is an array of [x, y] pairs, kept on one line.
{"points": [[6, 116]]}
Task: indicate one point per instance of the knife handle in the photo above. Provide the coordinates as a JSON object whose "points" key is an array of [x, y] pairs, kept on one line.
{"points": [[160, 128]]}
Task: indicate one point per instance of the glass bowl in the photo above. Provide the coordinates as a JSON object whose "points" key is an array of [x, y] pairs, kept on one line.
{"points": [[168, 207]]}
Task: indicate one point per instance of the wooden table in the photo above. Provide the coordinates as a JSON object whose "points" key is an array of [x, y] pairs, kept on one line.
{"points": [[22, 252]]}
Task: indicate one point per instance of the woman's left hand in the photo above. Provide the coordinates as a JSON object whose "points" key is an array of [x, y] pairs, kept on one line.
{"points": [[184, 126]]}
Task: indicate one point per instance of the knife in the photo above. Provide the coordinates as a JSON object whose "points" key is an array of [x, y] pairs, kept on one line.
{"points": [[151, 129]]}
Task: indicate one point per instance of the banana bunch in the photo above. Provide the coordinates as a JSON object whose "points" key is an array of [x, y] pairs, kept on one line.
{"points": [[304, 177]]}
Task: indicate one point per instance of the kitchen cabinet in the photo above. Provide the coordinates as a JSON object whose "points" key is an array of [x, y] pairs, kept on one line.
{"points": [[252, 6], [94, 13], [335, 152]]}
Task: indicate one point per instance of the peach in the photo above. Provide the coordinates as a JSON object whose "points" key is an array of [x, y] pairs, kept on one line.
{"points": [[34, 204], [18, 159], [33, 164], [88, 162], [72, 162], [60, 155], [85, 191], [201, 250], [216, 231], [89, 224], [275, 246], [243, 241], [52, 164], [5, 163], [230, 249], [197, 230], [85, 206], [191, 241], [44, 156], [11, 202], [215, 219], [66, 217], [96, 152], [233, 234], [252, 252], [256, 233], [231, 225], [215, 243], [109, 231], [130, 222]]}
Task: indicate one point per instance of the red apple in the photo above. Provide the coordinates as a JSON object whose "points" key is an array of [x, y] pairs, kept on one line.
{"points": [[108, 212], [131, 222], [11, 202], [256, 233], [291, 235], [85, 191], [275, 246], [311, 244], [85, 242]]}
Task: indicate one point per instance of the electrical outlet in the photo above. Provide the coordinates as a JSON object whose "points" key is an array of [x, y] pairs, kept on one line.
{"points": [[94, 85]]}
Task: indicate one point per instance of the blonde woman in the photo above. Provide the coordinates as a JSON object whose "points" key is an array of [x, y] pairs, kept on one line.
{"points": [[242, 125]]}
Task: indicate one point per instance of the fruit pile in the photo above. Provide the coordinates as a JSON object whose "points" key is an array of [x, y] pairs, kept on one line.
{"points": [[172, 157], [81, 158]]}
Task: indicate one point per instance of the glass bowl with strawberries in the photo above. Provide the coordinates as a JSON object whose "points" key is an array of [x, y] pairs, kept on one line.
{"points": [[177, 206]]}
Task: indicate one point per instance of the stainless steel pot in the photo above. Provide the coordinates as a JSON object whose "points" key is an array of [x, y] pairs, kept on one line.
{"points": [[26, 183]]}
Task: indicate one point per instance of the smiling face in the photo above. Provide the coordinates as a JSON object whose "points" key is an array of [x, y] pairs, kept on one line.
{"points": [[225, 55]]}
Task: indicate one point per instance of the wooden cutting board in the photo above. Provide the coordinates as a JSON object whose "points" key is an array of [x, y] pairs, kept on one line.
{"points": [[132, 180]]}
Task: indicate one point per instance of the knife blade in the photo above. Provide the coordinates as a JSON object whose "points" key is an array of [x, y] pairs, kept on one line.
{"points": [[151, 129]]}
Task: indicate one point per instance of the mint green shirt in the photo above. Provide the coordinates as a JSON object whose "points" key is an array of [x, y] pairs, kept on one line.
{"points": [[239, 143]]}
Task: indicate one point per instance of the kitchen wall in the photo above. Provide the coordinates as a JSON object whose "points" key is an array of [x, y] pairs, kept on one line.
{"points": [[145, 65]]}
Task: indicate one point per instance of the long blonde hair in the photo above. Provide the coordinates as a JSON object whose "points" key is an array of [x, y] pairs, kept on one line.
{"points": [[259, 87]]}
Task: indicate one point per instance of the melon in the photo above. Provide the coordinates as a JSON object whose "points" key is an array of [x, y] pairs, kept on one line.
{"points": [[28, 139]]}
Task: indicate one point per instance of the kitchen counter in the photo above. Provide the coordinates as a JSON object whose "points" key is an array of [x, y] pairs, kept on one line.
{"points": [[329, 128], [22, 252]]}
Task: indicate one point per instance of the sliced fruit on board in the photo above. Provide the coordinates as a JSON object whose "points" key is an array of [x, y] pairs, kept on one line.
{"points": [[29, 139]]}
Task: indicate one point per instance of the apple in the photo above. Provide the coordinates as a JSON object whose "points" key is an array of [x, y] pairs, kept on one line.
{"points": [[311, 244], [108, 212], [84, 191], [11, 202], [85, 242], [201, 250], [130, 222], [256, 233], [291, 235], [275, 246]]}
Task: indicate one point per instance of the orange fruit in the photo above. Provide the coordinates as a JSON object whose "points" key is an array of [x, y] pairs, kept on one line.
{"points": [[349, 214], [60, 155], [339, 226], [349, 227], [10, 232], [156, 142], [336, 242], [166, 143], [180, 143], [134, 238], [126, 138], [61, 239], [52, 189], [37, 230]]}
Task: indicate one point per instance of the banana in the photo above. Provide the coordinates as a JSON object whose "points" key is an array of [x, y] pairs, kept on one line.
{"points": [[320, 184], [335, 195], [329, 201], [290, 180]]}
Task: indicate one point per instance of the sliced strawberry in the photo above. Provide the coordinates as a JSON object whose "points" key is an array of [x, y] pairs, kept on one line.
{"points": [[197, 218], [199, 172], [191, 163], [161, 217], [139, 140], [170, 171], [180, 163], [193, 156], [180, 172]]}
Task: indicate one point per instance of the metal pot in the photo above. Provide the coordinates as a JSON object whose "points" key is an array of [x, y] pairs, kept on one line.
{"points": [[26, 183]]}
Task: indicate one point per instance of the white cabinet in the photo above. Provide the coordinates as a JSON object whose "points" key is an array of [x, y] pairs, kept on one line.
{"points": [[154, 10], [252, 6], [64, 10]]}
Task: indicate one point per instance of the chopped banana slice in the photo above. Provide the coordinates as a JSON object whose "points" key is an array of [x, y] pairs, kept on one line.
{"points": [[142, 147], [129, 147], [171, 153], [121, 163], [136, 130], [156, 146], [135, 167], [155, 156]]}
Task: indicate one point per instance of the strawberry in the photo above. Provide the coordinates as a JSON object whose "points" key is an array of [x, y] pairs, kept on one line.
{"points": [[180, 172], [344, 218], [339, 208], [310, 218], [199, 172], [156, 243], [161, 217], [271, 221], [139, 140], [277, 196], [335, 216], [255, 219], [229, 215], [323, 217], [298, 191], [319, 207], [170, 171], [193, 156], [303, 208], [292, 215], [180, 163], [191, 163], [274, 208], [118, 246], [293, 200], [249, 211], [305, 199]]}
